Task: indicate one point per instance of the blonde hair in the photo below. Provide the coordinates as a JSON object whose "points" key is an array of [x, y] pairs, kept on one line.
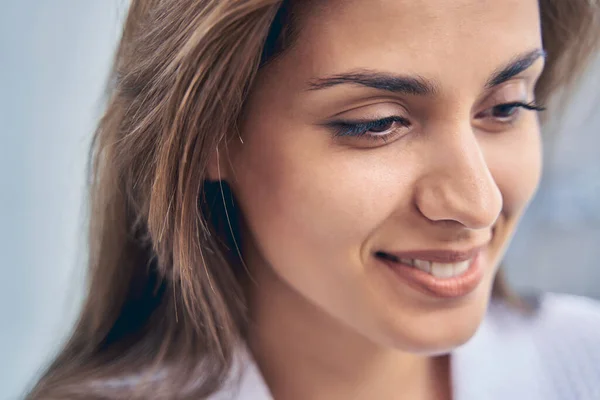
{"points": [[165, 305]]}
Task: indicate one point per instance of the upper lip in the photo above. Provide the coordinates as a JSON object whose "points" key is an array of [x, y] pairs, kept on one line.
{"points": [[441, 256]]}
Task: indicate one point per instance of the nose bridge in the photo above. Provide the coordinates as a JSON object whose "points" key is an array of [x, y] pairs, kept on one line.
{"points": [[457, 184]]}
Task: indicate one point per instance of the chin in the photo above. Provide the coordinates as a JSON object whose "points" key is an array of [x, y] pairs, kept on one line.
{"points": [[440, 330]]}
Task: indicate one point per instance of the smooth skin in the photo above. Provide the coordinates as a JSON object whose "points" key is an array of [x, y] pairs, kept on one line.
{"points": [[454, 169]]}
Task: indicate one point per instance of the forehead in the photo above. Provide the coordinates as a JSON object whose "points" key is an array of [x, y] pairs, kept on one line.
{"points": [[432, 38]]}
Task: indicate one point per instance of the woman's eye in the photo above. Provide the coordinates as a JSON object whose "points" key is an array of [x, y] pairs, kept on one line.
{"points": [[508, 111], [504, 110], [375, 129], [382, 128]]}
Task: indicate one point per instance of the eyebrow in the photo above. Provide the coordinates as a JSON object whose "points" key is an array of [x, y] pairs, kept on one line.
{"points": [[413, 85], [417, 85], [515, 67]]}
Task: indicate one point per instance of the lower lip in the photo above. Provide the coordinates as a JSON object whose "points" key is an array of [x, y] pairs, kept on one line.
{"points": [[447, 288]]}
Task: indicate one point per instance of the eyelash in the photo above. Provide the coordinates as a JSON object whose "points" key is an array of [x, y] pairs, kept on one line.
{"points": [[361, 128], [531, 106]]}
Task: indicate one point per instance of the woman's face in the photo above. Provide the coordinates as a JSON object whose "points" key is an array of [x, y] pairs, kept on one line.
{"points": [[391, 132]]}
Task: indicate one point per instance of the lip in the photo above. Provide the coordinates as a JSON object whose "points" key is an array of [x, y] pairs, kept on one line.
{"points": [[443, 288], [441, 256]]}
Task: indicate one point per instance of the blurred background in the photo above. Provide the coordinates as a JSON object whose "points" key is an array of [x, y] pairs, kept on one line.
{"points": [[55, 58]]}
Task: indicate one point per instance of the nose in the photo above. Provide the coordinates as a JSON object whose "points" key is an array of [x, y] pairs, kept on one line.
{"points": [[457, 184]]}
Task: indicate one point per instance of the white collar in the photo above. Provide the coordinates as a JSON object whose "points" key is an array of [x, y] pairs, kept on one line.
{"points": [[245, 381]]}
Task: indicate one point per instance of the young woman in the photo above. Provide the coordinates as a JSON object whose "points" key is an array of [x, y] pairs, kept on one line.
{"points": [[310, 200]]}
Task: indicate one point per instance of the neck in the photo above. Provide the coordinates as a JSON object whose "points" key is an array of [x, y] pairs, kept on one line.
{"points": [[305, 354]]}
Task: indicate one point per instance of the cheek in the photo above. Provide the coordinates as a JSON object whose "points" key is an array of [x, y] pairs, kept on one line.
{"points": [[515, 162], [304, 198]]}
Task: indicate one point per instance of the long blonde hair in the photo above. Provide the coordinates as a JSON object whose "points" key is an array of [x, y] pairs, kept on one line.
{"points": [[165, 303]]}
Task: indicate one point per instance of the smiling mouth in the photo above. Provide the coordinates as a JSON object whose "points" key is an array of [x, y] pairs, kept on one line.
{"points": [[438, 273], [437, 269]]}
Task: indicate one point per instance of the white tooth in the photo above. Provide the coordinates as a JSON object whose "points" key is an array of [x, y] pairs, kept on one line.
{"points": [[440, 270], [406, 261], [461, 267], [423, 265]]}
